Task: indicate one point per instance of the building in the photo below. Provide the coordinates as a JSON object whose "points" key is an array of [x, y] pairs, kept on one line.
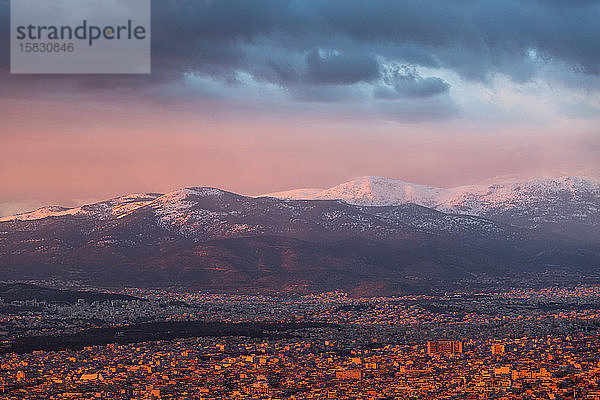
{"points": [[444, 347], [348, 374], [91, 377], [499, 348]]}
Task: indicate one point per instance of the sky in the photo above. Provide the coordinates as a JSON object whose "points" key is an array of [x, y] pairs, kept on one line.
{"points": [[268, 95]]}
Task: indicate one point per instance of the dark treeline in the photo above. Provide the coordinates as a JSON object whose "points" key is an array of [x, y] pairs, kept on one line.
{"points": [[151, 332]]}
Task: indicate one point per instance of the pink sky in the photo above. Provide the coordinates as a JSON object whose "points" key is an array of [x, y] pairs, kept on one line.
{"points": [[286, 95], [72, 153]]}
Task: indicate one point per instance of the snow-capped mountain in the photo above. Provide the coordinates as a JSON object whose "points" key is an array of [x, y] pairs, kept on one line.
{"points": [[531, 203], [113, 208], [370, 191], [365, 231]]}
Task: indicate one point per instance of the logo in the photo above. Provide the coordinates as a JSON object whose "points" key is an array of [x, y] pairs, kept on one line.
{"points": [[80, 36]]}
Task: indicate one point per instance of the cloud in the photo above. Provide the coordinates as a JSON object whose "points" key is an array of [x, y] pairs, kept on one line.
{"points": [[313, 49], [474, 38], [340, 68], [404, 81]]}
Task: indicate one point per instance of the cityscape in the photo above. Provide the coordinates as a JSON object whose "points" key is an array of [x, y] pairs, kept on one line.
{"points": [[300, 199], [512, 344]]}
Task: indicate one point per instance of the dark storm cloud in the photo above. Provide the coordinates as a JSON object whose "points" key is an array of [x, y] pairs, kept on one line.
{"points": [[341, 69], [474, 38], [404, 81], [300, 45]]}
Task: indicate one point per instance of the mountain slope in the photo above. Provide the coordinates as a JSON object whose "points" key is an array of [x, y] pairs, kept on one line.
{"points": [[216, 240], [567, 204], [371, 191], [116, 207]]}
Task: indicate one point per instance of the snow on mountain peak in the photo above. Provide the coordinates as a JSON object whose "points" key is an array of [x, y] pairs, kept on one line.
{"points": [[114, 208], [374, 190], [369, 190], [304, 194], [182, 198], [44, 212], [568, 191], [470, 199], [175, 206]]}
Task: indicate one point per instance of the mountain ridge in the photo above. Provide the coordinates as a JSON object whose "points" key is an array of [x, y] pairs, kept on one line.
{"points": [[366, 190], [376, 190], [212, 239], [543, 201]]}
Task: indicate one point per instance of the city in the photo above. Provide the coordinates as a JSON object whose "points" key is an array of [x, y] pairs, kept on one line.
{"points": [[300, 199], [515, 344]]}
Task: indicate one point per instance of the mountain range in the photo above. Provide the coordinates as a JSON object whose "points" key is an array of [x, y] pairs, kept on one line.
{"points": [[369, 234], [557, 202]]}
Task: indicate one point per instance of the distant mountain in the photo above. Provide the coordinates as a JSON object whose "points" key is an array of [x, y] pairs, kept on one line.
{"points": [[371, 191], [113, 208], [568, 205], [374, 238]]}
